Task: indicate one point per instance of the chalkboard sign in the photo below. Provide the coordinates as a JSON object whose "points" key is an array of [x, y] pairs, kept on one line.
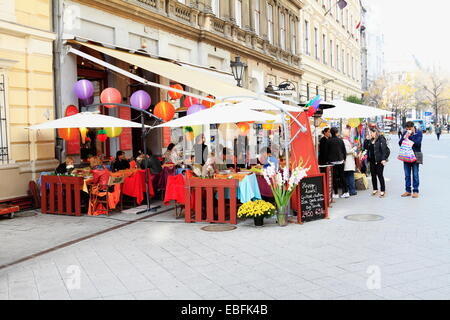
{"points": [[313, 198]]}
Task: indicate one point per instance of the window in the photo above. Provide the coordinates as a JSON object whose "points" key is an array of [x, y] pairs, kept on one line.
{"points": [[329, 5], [342, 16], [293, 38], [324, 48], [238, 5], [336, 11], [316, 43], [4, 155], [215, 6], [307, 91], [338, 66], [317, 90], [331, 54], [346, 19], [325, 94], [257, 17], [332, 95], [353, 68], [283, 31], [347, 67], [343, 61], [306, 49], [270, 22]]}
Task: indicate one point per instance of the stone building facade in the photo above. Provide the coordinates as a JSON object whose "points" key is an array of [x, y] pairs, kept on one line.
{"points": [[26, 93]]}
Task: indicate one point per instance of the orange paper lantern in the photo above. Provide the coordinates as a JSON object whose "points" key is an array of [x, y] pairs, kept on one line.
{"points": [[244, 128], [111, 95], [207, 103], [68, 133], [164, 110], [175, 95], [83, 132]]}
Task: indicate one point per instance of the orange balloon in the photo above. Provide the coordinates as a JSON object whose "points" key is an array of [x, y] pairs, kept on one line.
{"points": [[207, 103], [111, 95], [244, 128], [68, 133], [164, 110], [175, 95]]}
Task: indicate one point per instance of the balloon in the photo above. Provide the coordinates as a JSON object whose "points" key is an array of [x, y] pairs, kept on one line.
{"points": [[189, 101], [111, 95], [86, 102], [244, 128], [164, 110], [141, 99], [68, 133], [175, 95], [83, 132], [207, 103], [267, 126], [354, 123], [113, 132], [195, 108], [101, 135], [83, 89], [228, 130]]}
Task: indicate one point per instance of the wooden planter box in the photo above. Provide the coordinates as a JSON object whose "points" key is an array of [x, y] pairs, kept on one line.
{"points": [[62, 196]]}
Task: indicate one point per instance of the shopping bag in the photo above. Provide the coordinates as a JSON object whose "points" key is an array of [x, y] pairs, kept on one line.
{"points": [[406, 152], [361, 182]]}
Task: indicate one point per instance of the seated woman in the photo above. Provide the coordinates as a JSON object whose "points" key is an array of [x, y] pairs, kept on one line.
{"points": [[171, 154], [121, 162], [65, 167], [100, 174]]}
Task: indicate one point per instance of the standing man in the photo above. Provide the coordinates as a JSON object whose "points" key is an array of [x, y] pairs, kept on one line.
{"points": [[438, 131], [415, 135], [323, 155]]}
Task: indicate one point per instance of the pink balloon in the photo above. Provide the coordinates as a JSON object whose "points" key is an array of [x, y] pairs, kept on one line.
{"points": [[83, 89], [195, 108], [141, 99], [190, 101]]}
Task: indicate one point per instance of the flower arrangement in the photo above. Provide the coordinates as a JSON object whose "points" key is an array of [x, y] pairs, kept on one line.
{"points": [[258, 208], [283, 183]]}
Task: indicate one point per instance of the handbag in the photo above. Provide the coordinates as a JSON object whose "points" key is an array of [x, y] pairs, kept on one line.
{"points": [[406, 153], [419, 157]]}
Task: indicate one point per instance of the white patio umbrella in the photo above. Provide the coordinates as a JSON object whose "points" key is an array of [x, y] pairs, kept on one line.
{"points": [[262, 105], [87, 120], [220, 114], [348, 110]]}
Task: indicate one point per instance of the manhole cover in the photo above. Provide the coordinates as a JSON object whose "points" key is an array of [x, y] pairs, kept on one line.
{"points": [[218, 228], [364, 217]]}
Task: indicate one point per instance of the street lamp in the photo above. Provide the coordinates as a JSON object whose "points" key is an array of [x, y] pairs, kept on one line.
{"points": [[237, 68]]}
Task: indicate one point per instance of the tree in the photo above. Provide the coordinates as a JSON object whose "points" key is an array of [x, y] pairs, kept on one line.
{"points": [[354, 99], [374, 96]]}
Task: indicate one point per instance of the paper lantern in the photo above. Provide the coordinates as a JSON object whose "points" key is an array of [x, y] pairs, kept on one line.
{"points": [[68, 134], [83, 89], [83, 132], [268, 126], [164, 110], [244, 128], [86, 102], [110, 95], [354, 123], [141, 99], [228, 130], [189, 101], [175, 95], [113, 132], [195, 108], [101, 135], [207, 103]]}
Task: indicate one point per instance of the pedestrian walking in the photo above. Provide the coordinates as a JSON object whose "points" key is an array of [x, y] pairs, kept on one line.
{"points": [[438, 131], [336, 156], [414, 135], [400, 132], [349, 165], [378, 154]]}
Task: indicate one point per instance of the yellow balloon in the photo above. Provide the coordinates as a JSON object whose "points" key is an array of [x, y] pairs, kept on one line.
{"points": [[355, 122], [113, 132]]}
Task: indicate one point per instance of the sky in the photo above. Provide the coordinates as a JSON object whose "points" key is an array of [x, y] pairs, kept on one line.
{"points": [[419, 27]]}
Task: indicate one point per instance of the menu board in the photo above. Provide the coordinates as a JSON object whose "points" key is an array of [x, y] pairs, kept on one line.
{"points": [[313, 198]]}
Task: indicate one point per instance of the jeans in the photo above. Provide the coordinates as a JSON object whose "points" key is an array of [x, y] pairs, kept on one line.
{"points": [[414, 167], [339, 179], [350, 180], [376, 170]]}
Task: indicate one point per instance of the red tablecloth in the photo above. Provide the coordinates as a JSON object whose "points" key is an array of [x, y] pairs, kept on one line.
{"points": [[264, 188], [134, 185], [175, 190]]}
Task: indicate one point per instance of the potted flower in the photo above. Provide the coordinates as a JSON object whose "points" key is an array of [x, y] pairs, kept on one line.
{"points": [[283, 185], [258, 210]]}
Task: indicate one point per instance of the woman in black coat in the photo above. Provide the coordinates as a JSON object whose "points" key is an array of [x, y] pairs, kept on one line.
{"points": [[336, 153], [378, 154]]}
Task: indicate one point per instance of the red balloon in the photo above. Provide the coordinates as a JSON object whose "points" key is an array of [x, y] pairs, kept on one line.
{"points": [[175, 95], [111, 95], [68, 133], [207, 103], [164, 110], [189, 101]]}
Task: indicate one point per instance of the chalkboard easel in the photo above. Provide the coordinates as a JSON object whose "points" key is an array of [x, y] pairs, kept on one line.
{"points": [[312, 198]]}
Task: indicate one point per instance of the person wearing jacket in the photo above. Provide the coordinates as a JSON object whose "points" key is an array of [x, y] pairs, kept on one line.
{"points": [[438, 131], [377, 151], [415, 136], [323, 156], [336, 156], [349, 165]]}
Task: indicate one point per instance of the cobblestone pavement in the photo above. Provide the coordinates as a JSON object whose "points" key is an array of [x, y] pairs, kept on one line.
{"points": [[404, 256]]}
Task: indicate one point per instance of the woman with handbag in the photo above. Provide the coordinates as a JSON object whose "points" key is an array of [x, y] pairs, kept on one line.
{"points": [[415, 136], [378, 153]]}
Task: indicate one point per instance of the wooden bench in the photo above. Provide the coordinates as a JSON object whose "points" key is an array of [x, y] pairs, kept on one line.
{"points": [[9, 210]]}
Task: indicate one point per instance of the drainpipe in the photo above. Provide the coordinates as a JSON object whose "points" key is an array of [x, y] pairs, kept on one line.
{"points": [[57, 62]]}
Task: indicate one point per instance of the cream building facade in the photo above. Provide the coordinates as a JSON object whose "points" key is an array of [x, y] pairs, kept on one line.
{"points": [[331, 49], [26, 93]]}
